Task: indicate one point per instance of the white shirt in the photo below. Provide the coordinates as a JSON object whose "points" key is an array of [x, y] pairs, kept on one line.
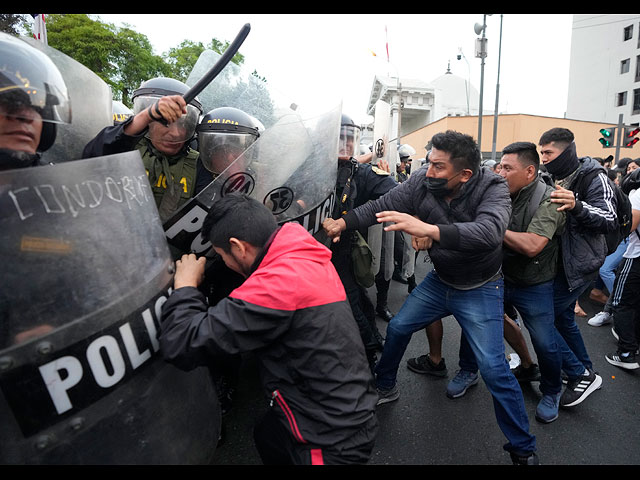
{"points": [[633, 248]]}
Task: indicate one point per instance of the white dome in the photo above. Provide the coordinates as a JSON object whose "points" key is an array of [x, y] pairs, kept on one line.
{"points": [[453, 96]]}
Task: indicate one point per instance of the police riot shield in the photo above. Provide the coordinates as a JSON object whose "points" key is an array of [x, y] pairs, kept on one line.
{"points": [[86, 269], [381, 242], [91, 106], [291, 168]]}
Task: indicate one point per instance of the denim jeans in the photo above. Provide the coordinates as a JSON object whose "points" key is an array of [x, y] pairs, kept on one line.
{"points": [[535, 305], [608, 269], [574, 353], [479, 312]]}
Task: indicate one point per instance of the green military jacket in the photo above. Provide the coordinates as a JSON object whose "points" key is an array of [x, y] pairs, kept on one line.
{"points": [[547, 222], [172, 178]]}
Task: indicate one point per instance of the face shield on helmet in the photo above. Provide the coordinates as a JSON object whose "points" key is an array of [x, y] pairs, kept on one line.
{"points": [[223, 135], [170, 138], [32, 88], [177, 132], [349, 139]]}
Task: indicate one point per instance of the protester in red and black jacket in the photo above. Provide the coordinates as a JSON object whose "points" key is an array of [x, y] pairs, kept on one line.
{"points": [[292, 312]]}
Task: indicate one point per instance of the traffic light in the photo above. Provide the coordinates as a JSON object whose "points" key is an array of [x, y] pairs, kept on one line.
{"points": [[630, 138], [607, 137]]}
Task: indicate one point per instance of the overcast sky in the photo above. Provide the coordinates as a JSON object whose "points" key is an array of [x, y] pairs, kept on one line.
{"points": [[329, 57]]}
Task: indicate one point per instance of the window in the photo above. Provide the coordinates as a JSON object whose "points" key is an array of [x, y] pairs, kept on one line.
{"points": [[624, 65], [622, 99], [628, 32], [636, 102]]}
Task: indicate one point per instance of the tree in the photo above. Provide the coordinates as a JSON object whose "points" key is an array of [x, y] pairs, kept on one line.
{"points": [[14, 23], [182, 58]]}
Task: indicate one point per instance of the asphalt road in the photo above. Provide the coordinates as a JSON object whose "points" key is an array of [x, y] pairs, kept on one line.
{"points": [[424, 427]]}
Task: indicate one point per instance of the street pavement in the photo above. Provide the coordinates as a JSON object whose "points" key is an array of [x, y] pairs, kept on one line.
{"points": [[424, 427]]}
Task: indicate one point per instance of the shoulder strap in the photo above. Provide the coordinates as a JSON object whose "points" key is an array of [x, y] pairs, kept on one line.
{"points": [[536, 198]]}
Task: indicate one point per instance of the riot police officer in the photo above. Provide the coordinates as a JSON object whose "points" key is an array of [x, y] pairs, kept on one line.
{"points": [[161, 129], [120, 112], [224, 134], [33, 99], [356, 184]]}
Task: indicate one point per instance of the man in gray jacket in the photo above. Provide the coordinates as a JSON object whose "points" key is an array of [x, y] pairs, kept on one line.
{"points": [[464, 210]]}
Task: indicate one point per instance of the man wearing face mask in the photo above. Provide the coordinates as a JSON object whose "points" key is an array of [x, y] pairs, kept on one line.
{"points": [[591, 212], [161, 128], [464, 211]]}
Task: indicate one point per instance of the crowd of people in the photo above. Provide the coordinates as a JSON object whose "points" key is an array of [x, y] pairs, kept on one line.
{"points": [[520, 239]]}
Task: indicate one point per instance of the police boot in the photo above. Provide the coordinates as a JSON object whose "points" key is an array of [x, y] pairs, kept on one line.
{"points": [[384, 312]]}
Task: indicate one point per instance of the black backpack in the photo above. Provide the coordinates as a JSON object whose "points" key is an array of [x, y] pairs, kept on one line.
{"points": [[623, 211]]}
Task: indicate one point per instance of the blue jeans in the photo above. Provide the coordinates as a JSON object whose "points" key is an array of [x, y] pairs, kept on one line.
{"points": [[575, 358], [535, 305], [608, 269], [480, 314]]}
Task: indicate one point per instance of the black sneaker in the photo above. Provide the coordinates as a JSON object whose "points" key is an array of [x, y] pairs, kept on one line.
{"points": [[580, 388], [531, 459], [529, 374], [384, 313], [626, 360], [423, 364]]}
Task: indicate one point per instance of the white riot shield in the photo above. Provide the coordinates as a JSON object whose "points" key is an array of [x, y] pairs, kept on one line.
{"points": [[379, 241], [290, 168]]}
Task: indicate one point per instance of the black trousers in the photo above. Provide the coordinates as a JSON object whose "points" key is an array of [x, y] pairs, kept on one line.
{"points": [[625, 304], [276, 446]]}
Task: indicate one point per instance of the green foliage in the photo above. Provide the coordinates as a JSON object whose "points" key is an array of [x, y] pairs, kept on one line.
{"points": [[119, 55]]}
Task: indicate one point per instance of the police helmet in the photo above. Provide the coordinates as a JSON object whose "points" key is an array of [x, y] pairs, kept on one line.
{"points": [[223, 135], [30, 82], [120, 112], [405, 151], [349, 138], [151, 90]]}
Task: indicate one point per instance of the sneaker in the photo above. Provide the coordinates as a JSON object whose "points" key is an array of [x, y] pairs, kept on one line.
{"points": [[531, 459], [580, 388], [424, 364], [625, 360], [600, 319], [460, 383], [547, 409], [530, 374], [387, 395]]}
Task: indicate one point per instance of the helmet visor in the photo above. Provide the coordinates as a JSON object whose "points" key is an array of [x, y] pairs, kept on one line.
{"points": [[46, 94], [349, 141], [177, 132], [218, 150]]}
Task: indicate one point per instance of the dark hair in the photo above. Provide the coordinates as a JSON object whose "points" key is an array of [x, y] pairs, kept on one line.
{"points": [[527, 153], [561, 136], [463, 149], [239, 216]]}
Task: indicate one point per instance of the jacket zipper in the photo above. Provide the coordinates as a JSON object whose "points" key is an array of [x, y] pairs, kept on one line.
{"points": [[277, 396]]}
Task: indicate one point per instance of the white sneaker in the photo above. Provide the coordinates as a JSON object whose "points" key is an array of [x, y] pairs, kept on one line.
{"points": [[600, 319]]}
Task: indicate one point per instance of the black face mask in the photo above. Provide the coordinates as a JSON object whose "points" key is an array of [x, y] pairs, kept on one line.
{"points": [[565, 163], [438, 186]]}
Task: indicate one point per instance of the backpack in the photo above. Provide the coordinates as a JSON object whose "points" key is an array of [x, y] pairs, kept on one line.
{"points": [[623, 211]]}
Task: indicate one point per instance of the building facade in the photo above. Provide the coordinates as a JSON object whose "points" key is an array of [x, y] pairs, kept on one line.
{"points": [[604, 70]]}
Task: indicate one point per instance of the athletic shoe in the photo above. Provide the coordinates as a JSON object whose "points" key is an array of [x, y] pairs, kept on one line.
{"points": [[580, 388], [531, 459], [547, 409], [600, 319], [625, 360], [387, 395], [460, 383], [423, 364], [530, 374]]}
